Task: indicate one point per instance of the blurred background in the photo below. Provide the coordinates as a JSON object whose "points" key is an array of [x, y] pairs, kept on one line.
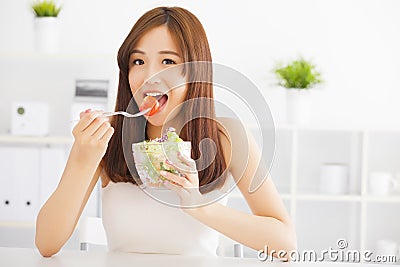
{"points": [[338, 169]]}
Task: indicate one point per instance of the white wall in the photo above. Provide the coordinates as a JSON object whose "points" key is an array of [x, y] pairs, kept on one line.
{"points": [[354, 43]]}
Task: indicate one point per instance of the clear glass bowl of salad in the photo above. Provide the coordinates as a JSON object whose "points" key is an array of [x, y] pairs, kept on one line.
{"points": [[150, 157]]}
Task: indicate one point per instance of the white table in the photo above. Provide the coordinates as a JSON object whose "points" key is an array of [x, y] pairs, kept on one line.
{"points": [[25, 257]]}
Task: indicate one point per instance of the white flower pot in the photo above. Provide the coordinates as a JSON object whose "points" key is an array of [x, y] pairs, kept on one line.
{"points": [[298, 106], [46, 34]]}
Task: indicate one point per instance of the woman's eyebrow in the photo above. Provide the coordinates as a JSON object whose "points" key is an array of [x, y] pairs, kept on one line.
{"points": [[169, 52], [137, 51]]}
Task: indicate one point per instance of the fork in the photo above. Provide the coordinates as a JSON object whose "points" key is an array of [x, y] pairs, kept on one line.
{"points": [[126, 114], [123, 113]]}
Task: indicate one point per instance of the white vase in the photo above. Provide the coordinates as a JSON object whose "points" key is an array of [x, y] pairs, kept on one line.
{"points": [[46, 34], [334, 178], [298, 106]]}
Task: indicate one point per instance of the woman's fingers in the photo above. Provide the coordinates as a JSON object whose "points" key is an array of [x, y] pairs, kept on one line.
{"points": [[188, 175], [184, 164], [173, 166], [107, 136], [95, 125], [86, 120], [102, 130], [187, 161], [179, 180], [84, 112]]}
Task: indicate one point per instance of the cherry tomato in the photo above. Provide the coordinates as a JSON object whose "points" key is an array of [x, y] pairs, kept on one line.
{"points": [[150, 102]]}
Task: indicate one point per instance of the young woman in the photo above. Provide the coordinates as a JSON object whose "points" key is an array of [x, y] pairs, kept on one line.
{"points": [[134, 222]]}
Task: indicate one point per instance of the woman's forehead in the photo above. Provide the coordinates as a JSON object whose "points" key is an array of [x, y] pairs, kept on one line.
{"points": [[158, 39]]}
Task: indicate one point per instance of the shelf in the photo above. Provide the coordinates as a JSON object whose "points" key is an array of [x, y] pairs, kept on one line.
{"points": [[22, 224], [333, 198], [318, 197], [320, 127], [56, 56], [237, 194], [38, 140], [382, 199]]}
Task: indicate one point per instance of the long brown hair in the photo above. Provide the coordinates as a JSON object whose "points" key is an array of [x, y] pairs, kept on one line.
{"points": [[190, 37]]}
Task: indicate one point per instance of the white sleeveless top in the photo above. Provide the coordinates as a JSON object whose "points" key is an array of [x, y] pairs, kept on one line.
{"points": [[136, 222]]}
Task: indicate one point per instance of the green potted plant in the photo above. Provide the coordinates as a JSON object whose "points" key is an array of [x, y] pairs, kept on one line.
{"points": [[298, 77], [46, 25]]}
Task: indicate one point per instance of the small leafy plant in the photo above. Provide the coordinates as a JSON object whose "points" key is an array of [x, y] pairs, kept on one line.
{"points": [[46, 8], [298, 74]]}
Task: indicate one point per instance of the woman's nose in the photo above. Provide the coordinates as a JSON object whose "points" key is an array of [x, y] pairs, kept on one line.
{"points": [[155, 79], [154, 76]]}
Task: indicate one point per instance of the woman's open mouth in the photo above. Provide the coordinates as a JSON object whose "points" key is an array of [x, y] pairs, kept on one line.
{"points": [[161, 98], [162, 101]]}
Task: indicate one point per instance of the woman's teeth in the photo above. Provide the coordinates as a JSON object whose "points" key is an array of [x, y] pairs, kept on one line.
{"points": [[154, 94]]}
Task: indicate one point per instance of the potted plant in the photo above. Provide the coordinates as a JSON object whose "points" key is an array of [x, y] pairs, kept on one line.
{"points": [[298, 77], [46, 26]]}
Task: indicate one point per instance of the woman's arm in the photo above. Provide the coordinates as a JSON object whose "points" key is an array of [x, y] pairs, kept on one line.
{"points": [[270, 224], [253, 230], [58, 217]]}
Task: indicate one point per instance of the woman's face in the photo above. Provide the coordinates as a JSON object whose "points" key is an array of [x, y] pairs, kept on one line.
{"points": [[154, 52]]}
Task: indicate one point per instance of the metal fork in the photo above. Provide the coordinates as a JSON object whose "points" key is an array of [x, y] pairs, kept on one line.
{"points": [[123, 113], [126, 114]]}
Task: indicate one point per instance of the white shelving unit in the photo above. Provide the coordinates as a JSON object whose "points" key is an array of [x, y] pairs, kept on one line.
{"points": [[322, 219], [17, 220], [33, 140], [39, 146]]}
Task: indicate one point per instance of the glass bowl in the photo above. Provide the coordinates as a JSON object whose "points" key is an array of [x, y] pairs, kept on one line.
{"points": [[150, 158]]}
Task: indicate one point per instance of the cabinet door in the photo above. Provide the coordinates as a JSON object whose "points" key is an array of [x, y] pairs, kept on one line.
{"points": [[19, 183], [52, 163], [26, 162], [8, 194]]}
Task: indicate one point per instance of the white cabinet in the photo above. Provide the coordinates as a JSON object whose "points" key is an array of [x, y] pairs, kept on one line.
{"points": [[31, 168], [28, 176], [19, 180], [52, 162], [23, 189]]}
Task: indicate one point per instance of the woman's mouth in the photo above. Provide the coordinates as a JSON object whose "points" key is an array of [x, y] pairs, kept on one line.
{"points": [[162, 101], [160, 97]]}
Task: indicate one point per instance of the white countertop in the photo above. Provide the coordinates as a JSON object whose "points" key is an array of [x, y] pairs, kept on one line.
{"points": [[27, 257]]}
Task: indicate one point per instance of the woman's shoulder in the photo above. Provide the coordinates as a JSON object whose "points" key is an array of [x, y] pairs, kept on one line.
{"points": [[229, 123], [234, 138], [224, 128], [231, 134], [231, 128]]}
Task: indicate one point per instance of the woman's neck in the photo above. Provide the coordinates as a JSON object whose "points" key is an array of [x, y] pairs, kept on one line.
{"points": [[154, 132]]}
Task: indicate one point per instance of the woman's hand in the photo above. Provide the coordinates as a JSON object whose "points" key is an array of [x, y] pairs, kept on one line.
{"points": [[92, 134], [186, 185]]}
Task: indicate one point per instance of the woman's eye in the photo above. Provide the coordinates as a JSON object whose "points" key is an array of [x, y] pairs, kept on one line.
{"points": [[137, 62], [168, 61]]}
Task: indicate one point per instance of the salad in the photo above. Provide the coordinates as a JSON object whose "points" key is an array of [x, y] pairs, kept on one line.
{"points": [[150, 156]]}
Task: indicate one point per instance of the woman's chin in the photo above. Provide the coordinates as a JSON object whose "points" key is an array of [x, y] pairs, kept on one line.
{"points": [[156, 120], [162, 117]]}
